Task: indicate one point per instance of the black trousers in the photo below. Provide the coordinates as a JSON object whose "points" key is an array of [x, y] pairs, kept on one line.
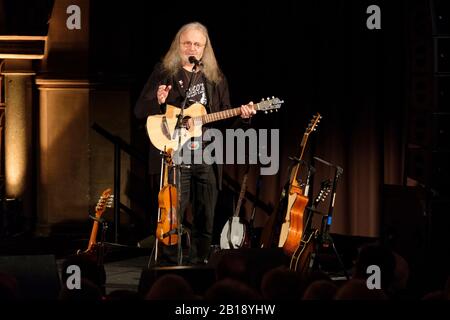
{"points": [[198, 187]]}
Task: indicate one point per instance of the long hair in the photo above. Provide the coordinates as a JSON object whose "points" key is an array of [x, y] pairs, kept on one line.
{"points": [[172, 60]]}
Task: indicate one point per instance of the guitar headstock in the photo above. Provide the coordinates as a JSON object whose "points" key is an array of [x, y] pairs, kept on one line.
{"points": [[325, 189], [269, 105], [105, 201], [313, 123]]}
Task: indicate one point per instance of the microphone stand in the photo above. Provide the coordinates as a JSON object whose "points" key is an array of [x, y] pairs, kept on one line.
{"points": [[179, 126]]}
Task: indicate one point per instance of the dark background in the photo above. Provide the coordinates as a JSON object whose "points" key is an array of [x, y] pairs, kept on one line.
{"points": [[383, 95]]}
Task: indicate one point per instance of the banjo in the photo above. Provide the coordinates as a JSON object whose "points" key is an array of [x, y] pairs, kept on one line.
{"points": [[234, 232]]}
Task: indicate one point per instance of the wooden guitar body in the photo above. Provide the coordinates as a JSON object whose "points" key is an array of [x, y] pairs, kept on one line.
{"points": [[295, 231], [161, 127]]}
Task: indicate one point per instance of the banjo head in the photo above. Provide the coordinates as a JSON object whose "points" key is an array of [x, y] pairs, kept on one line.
{"points": [[233, 234]]}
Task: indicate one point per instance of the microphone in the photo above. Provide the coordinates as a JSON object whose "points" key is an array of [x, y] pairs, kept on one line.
{"points": [[194, 61]]}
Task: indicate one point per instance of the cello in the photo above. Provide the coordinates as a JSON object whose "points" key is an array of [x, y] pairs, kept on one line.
{"points": [[167, 226], [292, 228]]}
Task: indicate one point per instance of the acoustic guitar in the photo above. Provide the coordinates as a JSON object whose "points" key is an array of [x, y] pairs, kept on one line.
{"points": [[292, 200], [161, 128], [234, 232], [105, 201], [292, 227]]}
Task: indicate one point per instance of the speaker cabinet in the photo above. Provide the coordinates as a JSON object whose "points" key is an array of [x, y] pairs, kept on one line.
{"points": [[37, 276], [404, 221]]}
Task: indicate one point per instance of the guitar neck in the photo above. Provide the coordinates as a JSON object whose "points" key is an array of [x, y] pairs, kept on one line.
{"points": [[297, 166], [238, 207], [311, 128], [221, 115], [241, 196], [93, 237]]}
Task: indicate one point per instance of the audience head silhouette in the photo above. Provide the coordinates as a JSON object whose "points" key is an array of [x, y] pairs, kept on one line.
{"points": [[170, 287], [231, 290], [356, 289], [282, 284]]}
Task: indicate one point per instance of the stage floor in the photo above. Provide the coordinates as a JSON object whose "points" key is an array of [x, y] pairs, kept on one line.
{"points": [[122, 274]]}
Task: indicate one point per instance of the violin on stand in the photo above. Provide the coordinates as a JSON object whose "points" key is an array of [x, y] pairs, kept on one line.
{"points": [[167, 226]]}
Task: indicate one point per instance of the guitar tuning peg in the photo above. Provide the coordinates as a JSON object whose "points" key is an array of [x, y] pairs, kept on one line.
{"points": [[266, 112], [262, 99], [273, 97], [268, 98], [271, 111], [276, 110]]}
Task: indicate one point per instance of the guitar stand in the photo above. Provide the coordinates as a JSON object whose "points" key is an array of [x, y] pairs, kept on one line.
{"points": [[324, 239]]}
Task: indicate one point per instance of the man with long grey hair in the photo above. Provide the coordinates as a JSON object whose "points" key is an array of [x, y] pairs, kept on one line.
{"points": [[188, 74]]}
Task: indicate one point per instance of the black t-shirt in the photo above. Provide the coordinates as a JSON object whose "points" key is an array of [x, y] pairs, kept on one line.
{"points": [[197, 91]]}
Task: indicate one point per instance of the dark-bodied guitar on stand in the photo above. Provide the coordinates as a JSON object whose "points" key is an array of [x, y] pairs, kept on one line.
{"points": [[302, 256]]}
